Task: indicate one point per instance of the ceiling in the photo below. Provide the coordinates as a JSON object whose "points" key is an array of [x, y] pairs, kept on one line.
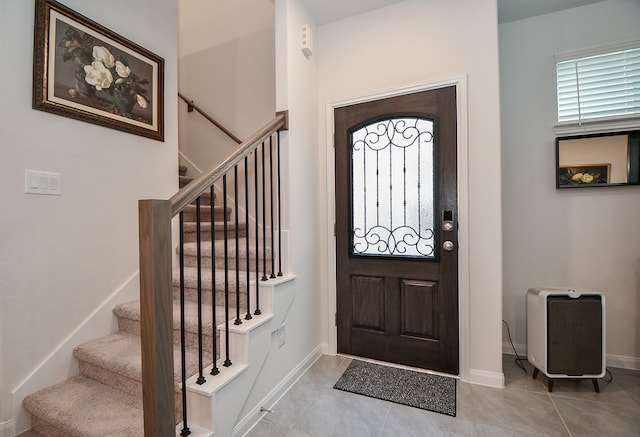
{"points": [[326, 11], [512, 10]]}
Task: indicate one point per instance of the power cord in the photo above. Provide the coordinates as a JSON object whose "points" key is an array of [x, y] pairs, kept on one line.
{"points": [[608, 372], [518, 360]]}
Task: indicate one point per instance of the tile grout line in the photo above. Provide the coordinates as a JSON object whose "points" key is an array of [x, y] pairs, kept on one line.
{"points": [[384, 422], [292, 425], [323, 383], [559, 414]]}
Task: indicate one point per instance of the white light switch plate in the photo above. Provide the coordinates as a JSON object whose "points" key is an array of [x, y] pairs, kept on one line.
{"points": [[42, 182]]}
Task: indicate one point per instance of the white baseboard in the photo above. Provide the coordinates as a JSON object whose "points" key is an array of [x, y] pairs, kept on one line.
{"points": [[60, 363], [623, 362], [489, 379], [253, 417], [7, 429], [521, 349]]}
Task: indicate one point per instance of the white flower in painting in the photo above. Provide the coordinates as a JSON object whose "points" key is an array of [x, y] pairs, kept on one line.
{"points": [[142, 101], [587, 178], [98, 75], [103, 55], [122, 70]]}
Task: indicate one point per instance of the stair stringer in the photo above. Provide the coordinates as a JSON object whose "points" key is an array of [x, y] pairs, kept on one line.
{"points": [[216, 405]]}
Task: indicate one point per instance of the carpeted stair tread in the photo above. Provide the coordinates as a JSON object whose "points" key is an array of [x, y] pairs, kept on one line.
{"points": [[253, 263], [191, 279], [191, 248], [82, 407], [191, 226], [190, 230], [120, 353], [206, 209], [131, 311], [205, 200], [205, 213], [184, 180]]}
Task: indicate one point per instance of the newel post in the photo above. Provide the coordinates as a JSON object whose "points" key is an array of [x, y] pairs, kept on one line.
{"points": [[156, 318]]}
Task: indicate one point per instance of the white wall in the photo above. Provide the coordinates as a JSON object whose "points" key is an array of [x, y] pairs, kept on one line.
{"points": [[226, 67], [62, 257], [418, 41], [577, 237], [297, 93]]}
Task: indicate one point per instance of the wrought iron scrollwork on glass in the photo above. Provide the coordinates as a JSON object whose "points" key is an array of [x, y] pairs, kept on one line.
{"points": [[392, 163]]}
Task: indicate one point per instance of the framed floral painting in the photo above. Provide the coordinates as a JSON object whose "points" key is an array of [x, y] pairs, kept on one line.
{"points": [[85, 71], [583, 175]]}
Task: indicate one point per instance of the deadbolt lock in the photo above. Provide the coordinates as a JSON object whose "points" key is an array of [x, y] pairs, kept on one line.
{"points": [[447, 221]]}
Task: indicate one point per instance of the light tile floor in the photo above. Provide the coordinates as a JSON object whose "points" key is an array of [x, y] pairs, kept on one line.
{"points": [[523, 408]]}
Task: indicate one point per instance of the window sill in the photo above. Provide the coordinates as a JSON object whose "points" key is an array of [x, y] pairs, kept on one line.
{"points": [[597, 126]]}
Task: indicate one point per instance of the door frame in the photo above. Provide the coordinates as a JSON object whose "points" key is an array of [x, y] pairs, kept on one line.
{"points": [[460, 82]]}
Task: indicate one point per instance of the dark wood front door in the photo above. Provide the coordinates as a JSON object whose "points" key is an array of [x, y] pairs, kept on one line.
{"points": [[396, 230]]}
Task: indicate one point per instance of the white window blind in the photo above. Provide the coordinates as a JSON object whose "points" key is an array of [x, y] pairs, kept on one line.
{"points": [[602, 86]]}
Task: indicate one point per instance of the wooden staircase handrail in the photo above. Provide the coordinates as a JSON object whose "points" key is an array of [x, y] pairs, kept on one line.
{"points": [[195, 188], [191, 106]]}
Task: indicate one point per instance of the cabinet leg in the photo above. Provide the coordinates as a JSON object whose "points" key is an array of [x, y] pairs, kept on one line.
{"points": [[550, 385], [595, 385], [535, 372]]}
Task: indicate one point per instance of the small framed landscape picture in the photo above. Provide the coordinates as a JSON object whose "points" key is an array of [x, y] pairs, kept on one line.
{"points": [[85, 71]]}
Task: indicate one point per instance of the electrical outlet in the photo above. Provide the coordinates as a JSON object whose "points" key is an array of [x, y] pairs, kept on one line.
{"points": [[282, 335]]}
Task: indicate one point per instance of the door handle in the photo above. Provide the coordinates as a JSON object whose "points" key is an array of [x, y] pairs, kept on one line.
{"points": [[448, 245]]}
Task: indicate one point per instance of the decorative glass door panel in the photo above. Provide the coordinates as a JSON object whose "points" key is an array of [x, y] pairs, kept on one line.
{"points": [[392, 168]]}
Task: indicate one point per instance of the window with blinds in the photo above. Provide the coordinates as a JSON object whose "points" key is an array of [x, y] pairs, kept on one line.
{"points": [[601, 86]]}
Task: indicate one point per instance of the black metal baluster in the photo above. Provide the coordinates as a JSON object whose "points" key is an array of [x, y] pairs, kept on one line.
{"points": [[238, 320], [364, 206], [183, 352], [377, 188], [419, 195], [404, 177], [214, 330], [273, 261], [246, 219], [264, 219], [201, 379], [391, 229], [257, 312], [279, 215], [227, 361]]}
